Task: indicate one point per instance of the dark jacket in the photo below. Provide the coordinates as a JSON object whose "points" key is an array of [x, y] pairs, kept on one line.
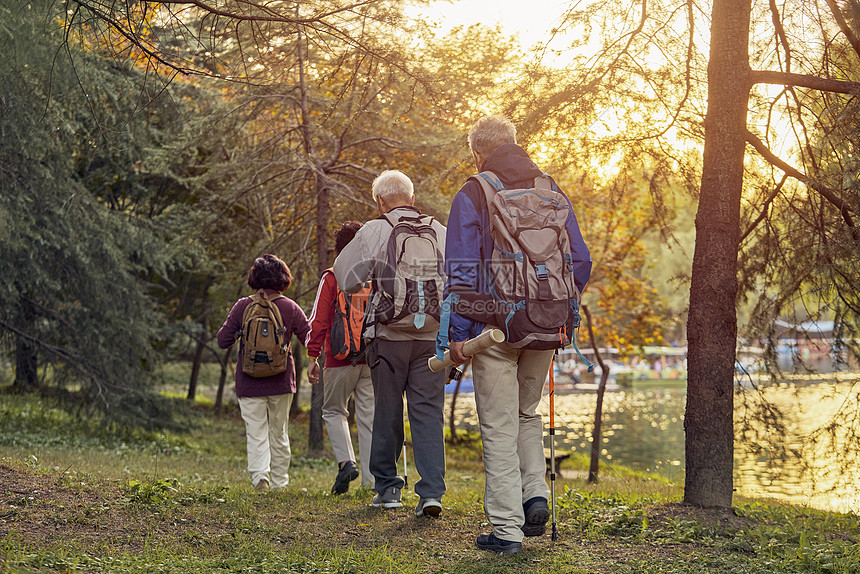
{"points": [[469, 245]]}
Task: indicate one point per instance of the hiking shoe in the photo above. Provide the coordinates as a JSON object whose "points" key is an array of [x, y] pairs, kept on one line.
{"points": [[345, 475], [428, 507], [537, 514], [388, 498], [262, 485], [490, 543]]}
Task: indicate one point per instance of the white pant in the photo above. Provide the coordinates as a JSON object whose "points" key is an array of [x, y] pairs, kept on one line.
{"points": [[340, 383], [508, 385], [268, 443]]}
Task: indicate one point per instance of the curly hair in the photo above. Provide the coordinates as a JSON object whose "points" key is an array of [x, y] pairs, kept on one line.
{"points": [[344, 235], [269, 272]]}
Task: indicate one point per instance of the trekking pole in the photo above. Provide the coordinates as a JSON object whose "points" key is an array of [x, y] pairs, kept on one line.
{"points": [[552, 442], [405, 475]]}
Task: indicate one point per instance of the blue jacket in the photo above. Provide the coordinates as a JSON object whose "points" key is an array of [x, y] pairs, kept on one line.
{"points": [[469, 246]]}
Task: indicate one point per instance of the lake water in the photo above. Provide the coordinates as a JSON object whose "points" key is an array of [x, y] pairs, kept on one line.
{"points": [[644, 429]]}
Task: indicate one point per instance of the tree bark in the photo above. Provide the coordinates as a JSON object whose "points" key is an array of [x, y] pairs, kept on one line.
{"points": [[26, 363], [315, 429], [196, 364], [26, 356], [712, 321], [295, 408], [452, 422], [315, 424], [597, 431], [202, 339], [222, 380]]}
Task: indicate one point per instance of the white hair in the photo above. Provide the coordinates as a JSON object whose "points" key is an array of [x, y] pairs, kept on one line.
{"points": [[490, 132], [392, 184]]}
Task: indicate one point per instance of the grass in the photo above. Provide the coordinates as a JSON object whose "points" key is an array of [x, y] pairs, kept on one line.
{"points": [[77, 497]]}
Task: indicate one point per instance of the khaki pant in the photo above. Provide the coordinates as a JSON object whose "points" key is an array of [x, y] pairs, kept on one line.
{"points": [[508, 386], [268, 443], [340, 383]]}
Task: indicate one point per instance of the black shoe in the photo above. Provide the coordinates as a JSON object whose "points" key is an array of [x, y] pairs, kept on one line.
{"points": [[490, 543], [537, 515], [345, 475]]}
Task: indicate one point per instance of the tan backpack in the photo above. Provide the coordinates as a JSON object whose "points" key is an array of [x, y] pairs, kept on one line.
{"points": [[264, 344], [533, 297]]}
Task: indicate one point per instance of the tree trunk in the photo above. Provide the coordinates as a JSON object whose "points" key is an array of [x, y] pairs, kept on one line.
{"points": [[202, 339], [315, 429], [712, 322], [226, 366], [300, 367], [597, 432], [195, 366], [452, 423], [26, 363], [26, 356]]}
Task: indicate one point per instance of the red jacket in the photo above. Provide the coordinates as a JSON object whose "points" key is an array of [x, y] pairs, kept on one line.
{"points": [[321, 318]]}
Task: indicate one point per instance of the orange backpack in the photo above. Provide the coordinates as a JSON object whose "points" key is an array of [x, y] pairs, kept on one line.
{"points": [[347, 324]]}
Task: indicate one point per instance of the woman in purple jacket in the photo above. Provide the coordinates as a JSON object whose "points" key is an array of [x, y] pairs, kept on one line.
{"points": [[265, 401]]}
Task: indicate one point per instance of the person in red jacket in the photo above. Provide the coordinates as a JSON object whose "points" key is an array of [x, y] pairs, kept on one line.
{"points": [[342, 379], [265, 401]]}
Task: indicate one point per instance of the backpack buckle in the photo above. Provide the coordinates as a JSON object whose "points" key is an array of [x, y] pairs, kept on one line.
{"points": [[541, 271]]}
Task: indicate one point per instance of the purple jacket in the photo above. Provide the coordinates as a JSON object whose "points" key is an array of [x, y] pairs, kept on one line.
{"points": [[296, 323]]}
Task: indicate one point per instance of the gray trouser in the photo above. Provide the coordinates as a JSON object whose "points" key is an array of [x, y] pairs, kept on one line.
{"points": [[400, 367], [508, 386], [340, 383]]}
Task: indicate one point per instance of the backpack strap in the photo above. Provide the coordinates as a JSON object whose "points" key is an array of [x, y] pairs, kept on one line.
{"points": [[273, 309], [442, 338]]}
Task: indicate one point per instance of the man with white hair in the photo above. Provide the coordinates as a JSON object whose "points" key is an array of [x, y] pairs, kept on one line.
{"points": [[401, 252], [508, 379]]}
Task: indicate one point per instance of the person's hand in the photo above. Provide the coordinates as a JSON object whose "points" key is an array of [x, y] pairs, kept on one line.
{"points": [[313, 371], [457, 354]]}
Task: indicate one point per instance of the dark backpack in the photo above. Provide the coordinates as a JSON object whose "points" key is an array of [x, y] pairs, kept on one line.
{"points": [[408, 291], [264, 344], [347, 324], [533, 297]]}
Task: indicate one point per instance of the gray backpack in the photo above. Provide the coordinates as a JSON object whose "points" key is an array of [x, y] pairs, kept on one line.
{"points": [[407, 294], [533, 297]]}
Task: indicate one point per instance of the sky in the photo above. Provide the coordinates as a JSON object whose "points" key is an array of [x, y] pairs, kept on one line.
{"points": [[531, 20]]}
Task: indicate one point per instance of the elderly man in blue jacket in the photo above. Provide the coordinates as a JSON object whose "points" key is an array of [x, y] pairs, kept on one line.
{"points": [[508, 381]]}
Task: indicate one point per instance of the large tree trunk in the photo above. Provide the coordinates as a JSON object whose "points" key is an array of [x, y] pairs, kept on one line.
{"points": [[712, 322], [315, 431], [315, 428]]}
